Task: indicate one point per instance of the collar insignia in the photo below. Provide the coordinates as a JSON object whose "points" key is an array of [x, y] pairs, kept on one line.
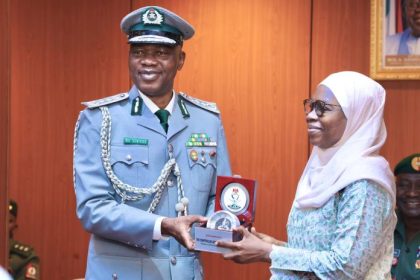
{"points": [[183, 108], [136, 106]]}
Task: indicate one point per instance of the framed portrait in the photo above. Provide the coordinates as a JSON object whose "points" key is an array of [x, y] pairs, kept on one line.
{"points": [[395, 40]]}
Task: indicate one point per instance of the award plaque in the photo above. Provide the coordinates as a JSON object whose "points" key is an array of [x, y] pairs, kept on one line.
{"points": [[236, 195], [234, 206]]}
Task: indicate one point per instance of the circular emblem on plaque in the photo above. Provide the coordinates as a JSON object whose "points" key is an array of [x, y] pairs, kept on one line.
{"points": [[235, 198], [223, 220]]}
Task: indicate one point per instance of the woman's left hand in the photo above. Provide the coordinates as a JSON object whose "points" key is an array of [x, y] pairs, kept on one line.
{"points": [[249, 249]]}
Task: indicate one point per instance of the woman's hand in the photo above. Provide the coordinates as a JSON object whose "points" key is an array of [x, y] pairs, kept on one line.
{"points": [[250, 249], [267, 238]]}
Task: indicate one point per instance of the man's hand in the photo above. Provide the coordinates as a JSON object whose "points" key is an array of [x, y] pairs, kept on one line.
{"points": [[250, 249], [180, 228]]}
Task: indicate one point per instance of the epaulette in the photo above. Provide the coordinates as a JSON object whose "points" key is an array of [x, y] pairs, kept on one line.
{"points": [[105, 101], [209, 106], [21, 249]]}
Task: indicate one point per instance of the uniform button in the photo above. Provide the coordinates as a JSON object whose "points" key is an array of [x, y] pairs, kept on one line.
{"points": [[114, 276], [173, 260], [170, 148], [170, 183], [128, 158]]}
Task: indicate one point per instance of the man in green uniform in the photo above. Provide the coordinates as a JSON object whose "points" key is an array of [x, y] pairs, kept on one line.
{"points": [[23, 262], [406, 262]]}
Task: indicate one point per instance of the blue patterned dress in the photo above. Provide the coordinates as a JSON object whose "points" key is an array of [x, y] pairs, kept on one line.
{"points": [[350, 237]]}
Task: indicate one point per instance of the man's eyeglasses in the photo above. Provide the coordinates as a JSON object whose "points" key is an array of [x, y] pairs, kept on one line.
{"points": [[319, 106]]}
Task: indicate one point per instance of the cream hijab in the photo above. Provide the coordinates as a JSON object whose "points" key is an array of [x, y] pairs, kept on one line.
{"points": [[356, 155]]}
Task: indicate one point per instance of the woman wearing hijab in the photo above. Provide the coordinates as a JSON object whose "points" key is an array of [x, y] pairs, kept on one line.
{"points": [[342, 220]]}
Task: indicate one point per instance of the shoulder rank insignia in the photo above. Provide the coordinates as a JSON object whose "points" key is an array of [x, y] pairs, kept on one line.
{"points": [[105, 101], [209, 106], [21, 249]]}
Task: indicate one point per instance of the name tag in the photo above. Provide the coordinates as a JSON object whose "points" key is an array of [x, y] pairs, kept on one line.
{"points": [[135, 141]]}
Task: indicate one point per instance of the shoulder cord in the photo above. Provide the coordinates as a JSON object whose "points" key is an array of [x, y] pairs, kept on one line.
{"points": [[76, 129], [138, 193]]}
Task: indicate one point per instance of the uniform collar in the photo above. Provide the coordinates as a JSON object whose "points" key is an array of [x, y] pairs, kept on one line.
{"points": [[177, 121], [152, 106], [147, 118]]}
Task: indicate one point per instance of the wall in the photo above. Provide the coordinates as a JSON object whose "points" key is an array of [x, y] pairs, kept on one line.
{"points": [[4, 123], [341, 34], [257, 59], [63, 52]]}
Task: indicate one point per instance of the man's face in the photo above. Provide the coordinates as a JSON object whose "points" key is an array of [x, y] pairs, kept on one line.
{"points": [[153, 67], [408, 194], [412, 9]]}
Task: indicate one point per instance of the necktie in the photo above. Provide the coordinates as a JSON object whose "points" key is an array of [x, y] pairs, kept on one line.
{"points": [[163, 117]]}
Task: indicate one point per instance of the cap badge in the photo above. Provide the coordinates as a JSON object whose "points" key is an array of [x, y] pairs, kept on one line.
{"points": [[152, 16], [415, 163]]}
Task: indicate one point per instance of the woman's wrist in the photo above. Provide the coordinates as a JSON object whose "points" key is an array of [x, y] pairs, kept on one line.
{"points": [[267, 250]]}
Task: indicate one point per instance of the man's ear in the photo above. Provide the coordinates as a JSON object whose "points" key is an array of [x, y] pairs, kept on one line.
{"points": [[181, 61]]}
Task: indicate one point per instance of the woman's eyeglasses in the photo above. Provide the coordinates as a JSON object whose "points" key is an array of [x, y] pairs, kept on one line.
{"points": [[319, 106]]}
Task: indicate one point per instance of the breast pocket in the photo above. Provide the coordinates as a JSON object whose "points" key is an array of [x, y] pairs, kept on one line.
{"points": [[203, 165], [130, 163]]}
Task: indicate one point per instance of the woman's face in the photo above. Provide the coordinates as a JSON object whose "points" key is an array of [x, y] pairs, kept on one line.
{"points": [[325, 129]]}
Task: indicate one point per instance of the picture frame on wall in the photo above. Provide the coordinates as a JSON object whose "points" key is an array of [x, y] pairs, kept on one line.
{"points": [[395, 40]]}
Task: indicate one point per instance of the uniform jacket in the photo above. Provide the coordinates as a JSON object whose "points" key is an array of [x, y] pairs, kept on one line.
{"points": [[406, 262], [121, 245], [23, 261]]}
